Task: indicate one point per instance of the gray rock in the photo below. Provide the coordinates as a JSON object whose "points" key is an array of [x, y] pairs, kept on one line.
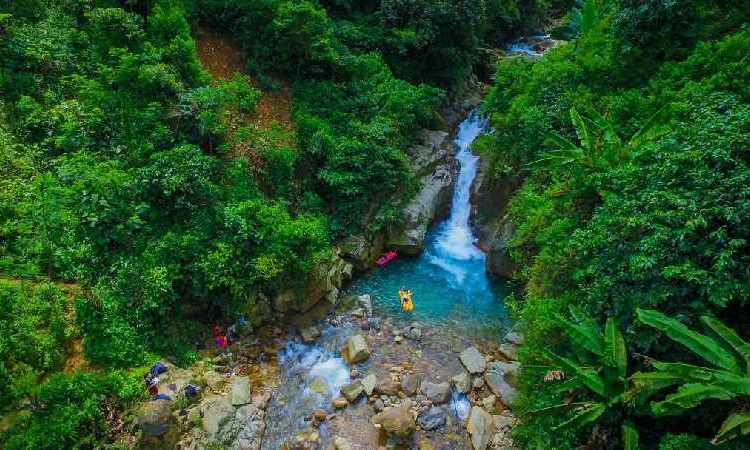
{"points": [[319, 386], [214, 380], [352, 391], [355, 350], [387, 387], [462, 382], [509, 351], [509, 370], [249, 426], [514, 337], [215, 411], [413, 332], [241, 391], [368, 384], [310, 334], [474, 362], [477, 382], [437, 393], [155, 418], [481, 427], [410, 383], [432, 419], [365, 301], [497, 384], [378, 405], [396, 421], [499, 260]]}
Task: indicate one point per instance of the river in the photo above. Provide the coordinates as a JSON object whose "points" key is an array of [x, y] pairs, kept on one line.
{"points": [[456, 304]]}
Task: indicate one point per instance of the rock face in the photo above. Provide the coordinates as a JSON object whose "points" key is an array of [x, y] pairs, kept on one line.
{"points": [[433, 162], [241, 391], [480, 426], [437, 393], [489, 215], [355, 350], [362, 250], [396, 421], [322, 283], [474, 362]]}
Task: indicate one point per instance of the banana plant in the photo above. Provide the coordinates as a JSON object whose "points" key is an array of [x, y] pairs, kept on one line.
{"points": [[727, 377], [600, 367]]}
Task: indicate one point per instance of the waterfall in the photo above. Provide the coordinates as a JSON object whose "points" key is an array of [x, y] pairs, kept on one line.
{"points": [[456, 240]]}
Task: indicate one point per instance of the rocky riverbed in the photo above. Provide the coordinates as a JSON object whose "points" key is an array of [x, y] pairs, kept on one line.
{"points": [[351, 380]]}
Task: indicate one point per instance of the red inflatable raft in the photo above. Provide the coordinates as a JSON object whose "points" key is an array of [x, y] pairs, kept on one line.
{"points": [[385, 259]]}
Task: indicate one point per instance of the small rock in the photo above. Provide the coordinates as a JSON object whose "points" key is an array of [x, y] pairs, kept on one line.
{"points": [[432, 419], [425, 444], [477, 383], [387, 387], [352, 391], [509, 351], [214, 380], [410, 383], [480, 426], [365, 301], [319, 386], [396, 421], [241, 391], [489, 402], [156, 418], [368, 384], [413, 332], [474, 362], [497, 384], [378, 405], [319, 415], [398, 339], [514, 337], [340, 403], [509, 370], [462, 382], [310, 334], [355, 350], [437, 393]]}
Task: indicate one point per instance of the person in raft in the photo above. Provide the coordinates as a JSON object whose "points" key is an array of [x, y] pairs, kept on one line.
{"points": [[407, 304]]}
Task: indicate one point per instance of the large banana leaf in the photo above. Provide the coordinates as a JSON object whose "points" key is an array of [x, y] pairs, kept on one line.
{"points": [[584, 334], [629, 436], [557, 409], [650, 382], [730, 337], [688, 396], [655, 126], [735, 425], [582, 130], [584, 416], [615, 353], [701, 345], [688, 373]]}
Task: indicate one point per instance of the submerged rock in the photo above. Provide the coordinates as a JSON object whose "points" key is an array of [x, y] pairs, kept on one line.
{"points": [[432, 419], [352, 391], [340, 443], [355, 350], [474, 362], [480, 426], [388, 387], [437, 393], [410, 383], [396, 421]]}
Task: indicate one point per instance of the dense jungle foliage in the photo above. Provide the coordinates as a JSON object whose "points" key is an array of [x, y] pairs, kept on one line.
{"points": [[633, 141], [128, 220]]}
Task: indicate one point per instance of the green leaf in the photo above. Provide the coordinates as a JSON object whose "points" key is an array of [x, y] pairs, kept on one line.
{"points": [[582, 130], [730, 337], [699, 344], [586, 376], [650, 130], [615, 353], [583, 416], [556, 409], [584, 334], [649, 382], [688, 396], [733, 382], [629, 436], [735, 425]]}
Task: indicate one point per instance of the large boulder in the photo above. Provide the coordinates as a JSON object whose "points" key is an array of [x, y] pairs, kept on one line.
{"points": [[396, 421], [437, 393], [481, 427], [243, 431], [355, 350], [474, 362], [216, 410], [430, 203], [241, 391]]}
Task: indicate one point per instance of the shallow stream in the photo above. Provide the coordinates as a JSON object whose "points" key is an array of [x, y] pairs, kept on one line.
{"points": [[456, 303]]}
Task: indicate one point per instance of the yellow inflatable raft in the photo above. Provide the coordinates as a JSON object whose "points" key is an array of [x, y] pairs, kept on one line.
{"points": [[407, 304]]}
